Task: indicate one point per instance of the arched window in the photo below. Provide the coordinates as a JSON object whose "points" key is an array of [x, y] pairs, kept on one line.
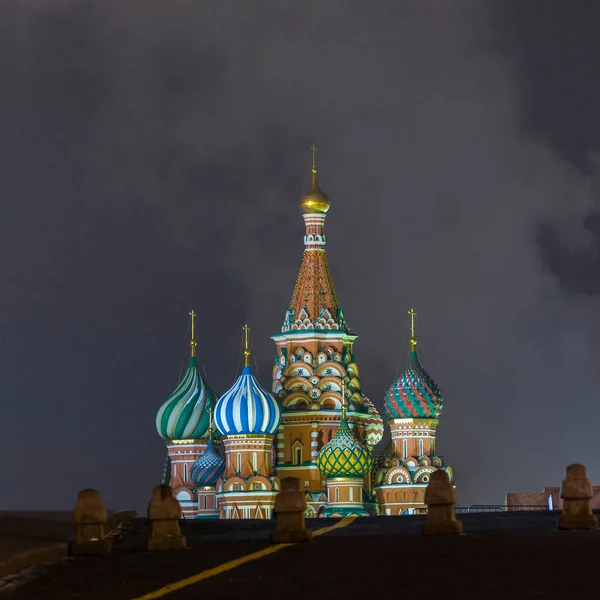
{"points": [[254, 462], [351, 492], [205, 501], [337, 494], [404, 448], [297, 455], [185, 472], [421, 448], [239, 462]]}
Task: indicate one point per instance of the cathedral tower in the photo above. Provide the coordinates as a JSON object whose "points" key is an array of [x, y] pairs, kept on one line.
{"points": [[183, 421], [412, 407], [315, 359], [248, 417]]}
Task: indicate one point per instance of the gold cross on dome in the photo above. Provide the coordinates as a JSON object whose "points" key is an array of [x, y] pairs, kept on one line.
{"points": [[193, 339], [313, 149], [193, 315], [246, 346], [412, 314]]}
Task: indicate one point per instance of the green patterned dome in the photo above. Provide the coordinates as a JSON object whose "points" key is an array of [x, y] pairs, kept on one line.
{"points": [[344, 455]]}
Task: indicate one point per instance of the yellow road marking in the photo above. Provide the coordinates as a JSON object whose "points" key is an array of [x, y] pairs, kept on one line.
{"points": [[232, 564], [341, 523]]}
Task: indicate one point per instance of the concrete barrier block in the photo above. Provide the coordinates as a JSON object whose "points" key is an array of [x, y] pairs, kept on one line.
{"points": [[90, 518], [577, 493], [164, 513], [440, 498], [290, 506]]}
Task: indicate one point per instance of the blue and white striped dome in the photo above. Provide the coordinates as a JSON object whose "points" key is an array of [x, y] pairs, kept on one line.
{"points": [[247, 408]]}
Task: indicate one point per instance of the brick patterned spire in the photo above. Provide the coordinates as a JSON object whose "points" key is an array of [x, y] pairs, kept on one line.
{"points": [[314, 305]]}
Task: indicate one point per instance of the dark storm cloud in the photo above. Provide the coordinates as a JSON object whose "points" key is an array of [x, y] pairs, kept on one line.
{"points": [[556, 46], [153, 155]]}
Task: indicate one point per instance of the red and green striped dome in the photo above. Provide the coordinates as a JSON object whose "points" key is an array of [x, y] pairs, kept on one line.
{"points": [[414, 395]]}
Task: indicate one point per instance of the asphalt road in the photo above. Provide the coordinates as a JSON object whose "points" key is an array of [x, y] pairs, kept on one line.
{"points": [[518, 555]]}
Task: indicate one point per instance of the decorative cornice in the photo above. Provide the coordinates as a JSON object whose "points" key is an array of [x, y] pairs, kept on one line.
{"points": [[433, 422], [248, 436]]}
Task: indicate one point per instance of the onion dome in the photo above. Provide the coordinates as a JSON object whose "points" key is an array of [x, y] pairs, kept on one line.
{"points": [[414, 395], [381, 460], [247, 408], [314, 200], [209, 467], [344, 455], [373, 424], [184, 415], [384, 456]]}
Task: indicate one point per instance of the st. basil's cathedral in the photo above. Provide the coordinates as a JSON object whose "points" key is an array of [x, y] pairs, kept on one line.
{"points": [[226, 456]]}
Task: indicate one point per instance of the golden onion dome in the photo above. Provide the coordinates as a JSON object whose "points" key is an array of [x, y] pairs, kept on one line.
{"points": [[314, 200]]}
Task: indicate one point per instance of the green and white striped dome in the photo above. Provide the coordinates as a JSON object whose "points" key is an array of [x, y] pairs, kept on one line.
{"points": [[185, 414]]}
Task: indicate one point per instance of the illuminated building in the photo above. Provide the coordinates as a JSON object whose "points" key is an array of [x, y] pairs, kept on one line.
{"points": [[412, 407], [316, 425], [183, 421], [315, 358], [247, 417]]}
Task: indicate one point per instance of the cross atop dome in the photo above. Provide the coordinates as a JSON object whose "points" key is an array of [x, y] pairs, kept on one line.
{"points": [[413, 339], [193, 342], [246, 345]]}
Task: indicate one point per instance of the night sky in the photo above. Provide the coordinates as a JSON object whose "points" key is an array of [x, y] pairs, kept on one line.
{"points": [[152, 155]]}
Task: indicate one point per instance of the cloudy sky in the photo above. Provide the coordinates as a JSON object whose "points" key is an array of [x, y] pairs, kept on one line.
{"points": [[151, 159]]}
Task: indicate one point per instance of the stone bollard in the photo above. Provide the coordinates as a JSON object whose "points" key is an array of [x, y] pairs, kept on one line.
{"points": [[577, 493], [164, 512], [440, 498], [90, 517], [289, 508]]}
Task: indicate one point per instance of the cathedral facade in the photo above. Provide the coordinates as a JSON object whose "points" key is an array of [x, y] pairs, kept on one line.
{"points": [[226, 456]]}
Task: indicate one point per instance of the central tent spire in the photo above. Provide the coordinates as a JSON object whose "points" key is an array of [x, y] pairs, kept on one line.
{"points": [[314, 304], [315, 372]]}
